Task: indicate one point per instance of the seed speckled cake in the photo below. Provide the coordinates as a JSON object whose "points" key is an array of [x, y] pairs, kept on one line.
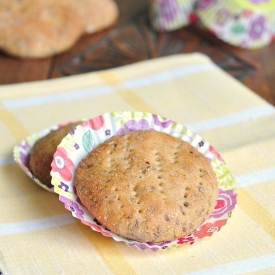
{"points": [[147, 186]]}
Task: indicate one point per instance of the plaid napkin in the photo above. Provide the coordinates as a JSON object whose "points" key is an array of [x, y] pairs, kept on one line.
{"points": [[39, 236]]}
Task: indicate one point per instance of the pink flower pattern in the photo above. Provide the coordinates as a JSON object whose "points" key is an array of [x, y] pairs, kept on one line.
{"points": [[209, 228], [187, 239], [226, 202], [247, 13], [215, 153], [96, 123], [62, 164]]}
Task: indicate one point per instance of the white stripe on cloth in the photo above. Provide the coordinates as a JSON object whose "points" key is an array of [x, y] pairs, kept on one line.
{"points": [[25, 226], [239, 267], [31, 225], [6, 160], [169, 75], [17, 103], [256, 177], [155, 78], [248, 114]]}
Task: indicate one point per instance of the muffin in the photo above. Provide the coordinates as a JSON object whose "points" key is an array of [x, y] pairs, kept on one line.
{"points": [[147, 186], [42, 153]]}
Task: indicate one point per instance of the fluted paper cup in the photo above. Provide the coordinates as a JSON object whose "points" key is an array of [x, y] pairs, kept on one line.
{"points": [[77, 145], [247, 24], [169, 15]]}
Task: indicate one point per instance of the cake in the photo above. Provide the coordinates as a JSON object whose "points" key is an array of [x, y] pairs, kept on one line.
{"points": [[42, 153], [147, 186]]}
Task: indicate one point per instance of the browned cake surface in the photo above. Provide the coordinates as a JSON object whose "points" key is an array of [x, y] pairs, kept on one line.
{"points": [[147, 186], [42, 153]]}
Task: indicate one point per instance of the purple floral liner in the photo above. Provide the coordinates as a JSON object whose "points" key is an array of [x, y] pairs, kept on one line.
{"points": [[244, 23], [22, 150], [169, 15], [75, 146], [247, 24]]}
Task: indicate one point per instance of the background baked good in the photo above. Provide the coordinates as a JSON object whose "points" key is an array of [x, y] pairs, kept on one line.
{"points": [[42, 28], [97, 15]]}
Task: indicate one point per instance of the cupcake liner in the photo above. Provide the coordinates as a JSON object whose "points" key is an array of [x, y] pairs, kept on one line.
{"points": [[169, 15], [75, 146], [244, 23], [22, 150]]}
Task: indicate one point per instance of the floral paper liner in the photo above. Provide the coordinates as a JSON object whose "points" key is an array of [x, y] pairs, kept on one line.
{"points": [[21, 152], [169, 15], [244, 23], [75, 146]]}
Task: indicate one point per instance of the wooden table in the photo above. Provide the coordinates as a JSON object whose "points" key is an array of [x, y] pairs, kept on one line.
{"points": [[132, 39]]}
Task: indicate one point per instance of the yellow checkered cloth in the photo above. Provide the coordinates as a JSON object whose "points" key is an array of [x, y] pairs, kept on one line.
{"points": [[39, 236]]}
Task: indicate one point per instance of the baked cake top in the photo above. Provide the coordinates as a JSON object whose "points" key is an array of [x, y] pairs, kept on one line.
{"points": [[147, 186]]}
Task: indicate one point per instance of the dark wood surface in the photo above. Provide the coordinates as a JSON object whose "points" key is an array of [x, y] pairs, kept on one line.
{"points": [[132, 39]]}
